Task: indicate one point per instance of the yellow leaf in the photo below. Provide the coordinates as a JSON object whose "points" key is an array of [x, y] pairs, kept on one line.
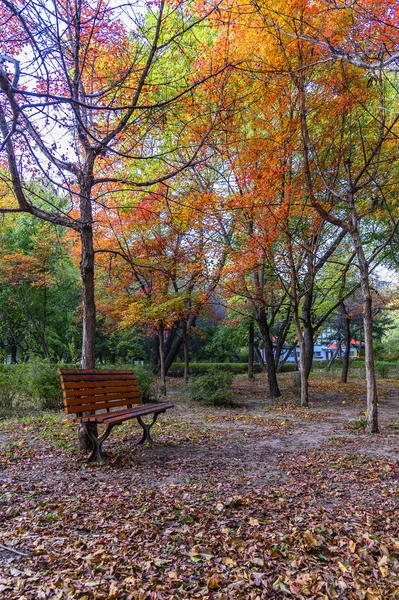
{"points": [[342, 567]]}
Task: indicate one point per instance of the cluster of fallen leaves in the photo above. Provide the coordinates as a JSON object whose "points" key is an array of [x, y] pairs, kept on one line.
{"points": [[194, 518]]}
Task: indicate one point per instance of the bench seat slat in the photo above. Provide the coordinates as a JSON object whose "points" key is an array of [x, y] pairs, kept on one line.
{"points": [[136, 413], [133, 412], [81, 408], [130, 397], [99, 417]]}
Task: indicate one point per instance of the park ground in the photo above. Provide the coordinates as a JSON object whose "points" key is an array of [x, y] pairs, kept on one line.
{"points": [[264, 500]]}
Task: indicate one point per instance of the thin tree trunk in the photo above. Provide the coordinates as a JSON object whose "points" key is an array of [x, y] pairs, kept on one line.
{"points": [[306, 320], [185, 351], [162, 360], [334, 356], [88, 302], [251, 340], [274, 390], [308, 341], [259, 356], [171, 350], [154, 356], [302, 360], [14, 355], [371, 383], [286, 357], [347, 337]]}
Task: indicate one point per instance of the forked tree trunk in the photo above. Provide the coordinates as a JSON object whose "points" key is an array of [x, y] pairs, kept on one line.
{"points": [[274, 390], [172, 349]]}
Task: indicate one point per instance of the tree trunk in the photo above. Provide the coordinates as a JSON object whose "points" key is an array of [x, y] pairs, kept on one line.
{"points": [[251, 340], [185, 350], [347, 337], [259, 356], [371, 384], [154, 356], [302, 361], [282, 336], [286, 357], [88, 301], [14, 355], [308, 335], [162, 359], [274, 390], [334, 356], [171, 350]]}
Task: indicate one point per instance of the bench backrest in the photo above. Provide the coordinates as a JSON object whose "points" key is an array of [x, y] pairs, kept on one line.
{"points": [[86, 391]]}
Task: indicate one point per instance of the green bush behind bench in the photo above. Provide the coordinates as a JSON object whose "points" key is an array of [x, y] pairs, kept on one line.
{"points": [[34, 386]]}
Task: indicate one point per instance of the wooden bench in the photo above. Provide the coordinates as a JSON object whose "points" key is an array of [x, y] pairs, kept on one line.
{"points": [[97, 396]]}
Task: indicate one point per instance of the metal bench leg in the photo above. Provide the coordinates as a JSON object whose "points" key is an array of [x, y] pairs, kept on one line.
{"points": [[146, 429], [97, 452]]}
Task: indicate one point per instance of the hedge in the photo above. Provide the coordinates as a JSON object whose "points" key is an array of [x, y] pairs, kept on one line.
{"points": [[177, 369]]}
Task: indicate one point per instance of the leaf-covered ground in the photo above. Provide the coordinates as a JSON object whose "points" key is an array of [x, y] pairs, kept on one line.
{"points": [[269, 500]]}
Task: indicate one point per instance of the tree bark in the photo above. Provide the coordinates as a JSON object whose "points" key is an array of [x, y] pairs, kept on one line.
{"points": [[251, 340], [171, 350], [185, 350], [334, 356], [274, 389], [302, 362], [14, 355], [259, 356], [285, 358], [347, 338], [162, 360], [88, 299], [154, 355], [371, 383]]}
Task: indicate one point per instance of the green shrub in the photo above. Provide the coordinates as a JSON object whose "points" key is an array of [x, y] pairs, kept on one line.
{"points": [[146, 380], [177, 369], [359, 423], [212, 388], [383, 368], [8, 402], [28, 387], [40, 381]]}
